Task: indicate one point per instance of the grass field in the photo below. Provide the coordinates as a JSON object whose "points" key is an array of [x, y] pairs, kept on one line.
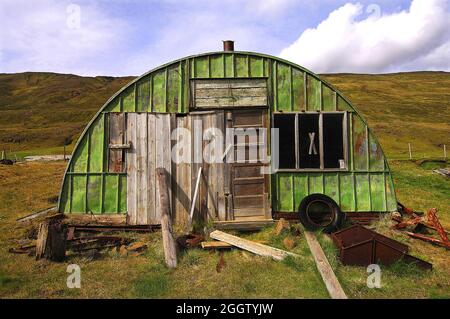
{"points": [[31, 186], [39, 112]]}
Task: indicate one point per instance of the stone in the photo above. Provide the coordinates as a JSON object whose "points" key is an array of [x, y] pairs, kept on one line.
{"points": [[282, 225], [289, 243], [138, 246]]}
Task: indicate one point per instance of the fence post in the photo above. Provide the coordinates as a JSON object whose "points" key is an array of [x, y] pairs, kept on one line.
{"points": [[410, 151], [445, 152]]}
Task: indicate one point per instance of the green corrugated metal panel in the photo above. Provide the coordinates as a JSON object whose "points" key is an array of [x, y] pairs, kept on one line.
{"points": [[94, 194], [173, 89], [217, 66], [376, 154], [122, 194], [362, 187], [143, 89], [283, 76], [331, 185], [80, 156], [300, 189], [241, 66], [313, 87], [256, 66], [390, 194], [328, 98], [292, 88], [96, 146], [79, 193], [128, 100], [298, 90], [359, 144], [111, 194], [159, 91], [229, 65], [347, 192]]}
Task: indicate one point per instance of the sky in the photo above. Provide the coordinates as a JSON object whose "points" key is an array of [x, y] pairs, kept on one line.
{"points": [[130, 37]]}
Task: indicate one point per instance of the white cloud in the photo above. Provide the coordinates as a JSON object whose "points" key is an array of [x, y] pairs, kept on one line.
{"points": [[42, 37], [346, 41]]}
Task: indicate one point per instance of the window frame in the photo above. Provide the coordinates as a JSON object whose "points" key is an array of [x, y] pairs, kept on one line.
{"points": [[345, 139]]}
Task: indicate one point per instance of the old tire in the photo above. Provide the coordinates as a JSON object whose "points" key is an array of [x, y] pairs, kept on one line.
{"points": [[320, 212]]}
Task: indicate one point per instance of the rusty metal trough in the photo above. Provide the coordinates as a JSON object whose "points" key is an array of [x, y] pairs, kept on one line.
{"points": [[361, 246]]}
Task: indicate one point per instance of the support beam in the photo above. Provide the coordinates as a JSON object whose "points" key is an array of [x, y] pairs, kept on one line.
{"points": [[331, 282], [170, 249]]}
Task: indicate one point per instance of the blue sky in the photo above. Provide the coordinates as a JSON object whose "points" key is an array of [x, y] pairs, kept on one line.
{"points": [[130, 37]]}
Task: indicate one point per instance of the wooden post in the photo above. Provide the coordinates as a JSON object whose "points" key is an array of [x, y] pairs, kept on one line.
{"points": [[445, 152], [64, 151], [169, 244], [51, 241], [3, 155], [410, 151]]}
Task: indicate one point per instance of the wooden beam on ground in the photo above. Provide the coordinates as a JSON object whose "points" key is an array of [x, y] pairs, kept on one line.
{"points": [[256, 248], [91, 219], [217, 244], [170, 249], [331, 282], [37, 214]]}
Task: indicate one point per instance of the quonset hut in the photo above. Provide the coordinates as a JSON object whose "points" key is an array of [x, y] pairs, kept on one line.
{"points": [[328, 159]]}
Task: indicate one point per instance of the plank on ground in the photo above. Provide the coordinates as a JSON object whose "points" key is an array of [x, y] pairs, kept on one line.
{"points": [[256, 248], [331, 282]]}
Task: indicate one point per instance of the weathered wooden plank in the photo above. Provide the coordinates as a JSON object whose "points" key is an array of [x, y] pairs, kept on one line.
{"points": [[331, 282], [151, 162], [132, 175], [210, 93], [89, 219], [256, 248], [222, 245], [170, 250], [219, 167], [182, 196], [230, 84], [141, 166], [232, 102]]}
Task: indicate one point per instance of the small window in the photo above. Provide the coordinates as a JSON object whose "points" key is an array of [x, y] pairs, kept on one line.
{"points": [[311, 140], [333, 142], [286, 131], [308, 135]]}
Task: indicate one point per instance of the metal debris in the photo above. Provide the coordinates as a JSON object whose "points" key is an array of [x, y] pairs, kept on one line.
{"points": [[361, 246]]}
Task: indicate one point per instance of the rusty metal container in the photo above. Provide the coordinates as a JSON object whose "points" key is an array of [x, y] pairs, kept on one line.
{"points": [[361, 246]]}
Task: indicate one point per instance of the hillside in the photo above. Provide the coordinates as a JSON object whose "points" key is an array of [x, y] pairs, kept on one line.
{"points": [[40, 111], [402, 108]]}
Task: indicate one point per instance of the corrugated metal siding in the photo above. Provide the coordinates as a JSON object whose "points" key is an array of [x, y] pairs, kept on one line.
{"points": [[88, 187]]}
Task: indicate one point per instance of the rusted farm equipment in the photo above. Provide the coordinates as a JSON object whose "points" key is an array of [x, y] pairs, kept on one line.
{"points": [[361, 246], [416, 222]]}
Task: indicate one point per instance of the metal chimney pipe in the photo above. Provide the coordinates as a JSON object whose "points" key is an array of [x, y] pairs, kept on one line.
{"points": [[228, 45]]}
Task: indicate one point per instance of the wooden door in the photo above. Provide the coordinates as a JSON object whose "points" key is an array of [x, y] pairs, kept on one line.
{"points": [[150, 139], [249, 184]]}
